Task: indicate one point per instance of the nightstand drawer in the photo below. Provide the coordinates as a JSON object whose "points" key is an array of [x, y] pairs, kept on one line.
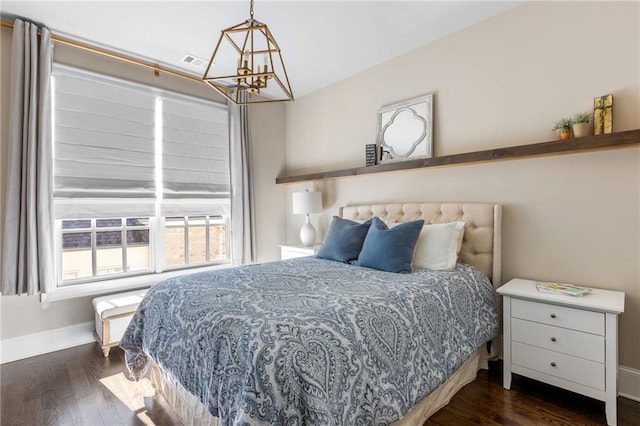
{"points": [[577, 370], [570, 342], [561, 316]]}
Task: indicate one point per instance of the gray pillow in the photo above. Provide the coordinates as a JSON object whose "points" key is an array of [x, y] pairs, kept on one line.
{"points": [[344, 240]]}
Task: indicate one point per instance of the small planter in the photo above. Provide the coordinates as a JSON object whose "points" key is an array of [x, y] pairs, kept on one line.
{"points": [[563, 126], [581, 130]]}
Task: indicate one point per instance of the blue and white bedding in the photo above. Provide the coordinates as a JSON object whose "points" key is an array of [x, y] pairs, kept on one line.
{"points": [[311, 341]]}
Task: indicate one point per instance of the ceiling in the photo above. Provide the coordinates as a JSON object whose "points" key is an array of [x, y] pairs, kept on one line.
{"points": [[321, 42]]}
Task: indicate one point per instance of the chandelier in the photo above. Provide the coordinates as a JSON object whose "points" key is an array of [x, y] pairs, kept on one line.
{"points": [[257, 74]]}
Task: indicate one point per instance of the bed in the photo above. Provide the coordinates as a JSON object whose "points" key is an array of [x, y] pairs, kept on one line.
{"points": [[314, 341]]}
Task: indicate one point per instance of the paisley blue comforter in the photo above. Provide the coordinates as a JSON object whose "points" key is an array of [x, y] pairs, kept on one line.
{"points": [[311, 341]]}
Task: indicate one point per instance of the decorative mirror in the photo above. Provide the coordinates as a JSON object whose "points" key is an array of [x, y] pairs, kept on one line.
{"points": [[405, 129]]}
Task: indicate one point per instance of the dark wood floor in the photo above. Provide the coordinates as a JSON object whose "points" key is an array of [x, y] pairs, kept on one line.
{"points": [[79, 387]]}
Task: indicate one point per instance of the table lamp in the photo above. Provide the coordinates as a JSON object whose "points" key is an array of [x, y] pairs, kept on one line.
{"points": [[305, 203]]}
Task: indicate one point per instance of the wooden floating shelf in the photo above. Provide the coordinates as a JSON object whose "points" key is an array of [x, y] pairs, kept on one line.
{"points": [[625, 139]]}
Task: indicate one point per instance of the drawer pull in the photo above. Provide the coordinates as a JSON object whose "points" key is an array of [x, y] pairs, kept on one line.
{"points": [[553, 315], [553, 364], [553, 339]]}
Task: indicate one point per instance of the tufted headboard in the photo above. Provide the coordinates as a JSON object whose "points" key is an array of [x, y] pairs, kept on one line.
{"points": [[482, 243]]}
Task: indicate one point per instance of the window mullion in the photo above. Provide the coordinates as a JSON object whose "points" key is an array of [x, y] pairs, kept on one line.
{"points": [[58, 243], [158, 244], [124, 245], [94, 249], [186, 240], [158, 223], [206, 239], [228, 235]]}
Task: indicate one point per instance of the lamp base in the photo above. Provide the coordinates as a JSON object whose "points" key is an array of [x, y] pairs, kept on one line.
{"points": [[307, 233]]}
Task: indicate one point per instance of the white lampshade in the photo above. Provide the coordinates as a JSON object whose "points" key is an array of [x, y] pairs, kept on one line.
{"points": [[307, 202]]}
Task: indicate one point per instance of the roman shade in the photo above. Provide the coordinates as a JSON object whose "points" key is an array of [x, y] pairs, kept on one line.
{"points": [[104, 137], [104, 157], [195, 149], [120, 147], [195, 157]]}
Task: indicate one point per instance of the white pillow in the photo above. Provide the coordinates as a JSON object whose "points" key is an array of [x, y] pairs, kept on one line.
{"points": [[438, 246]]}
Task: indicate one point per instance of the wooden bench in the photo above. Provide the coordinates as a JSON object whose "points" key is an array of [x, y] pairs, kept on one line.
{"points": [[113, 314]]}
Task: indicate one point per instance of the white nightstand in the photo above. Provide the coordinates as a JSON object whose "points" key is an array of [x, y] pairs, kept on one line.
{"points": [[566, 341], [289, 251]]}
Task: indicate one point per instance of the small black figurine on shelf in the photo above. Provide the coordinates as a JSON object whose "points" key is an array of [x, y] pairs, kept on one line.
{"points": [[371, 157]]}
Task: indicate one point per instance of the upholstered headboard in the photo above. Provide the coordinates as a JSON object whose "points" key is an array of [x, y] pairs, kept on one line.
{"points": [[482, 243]]}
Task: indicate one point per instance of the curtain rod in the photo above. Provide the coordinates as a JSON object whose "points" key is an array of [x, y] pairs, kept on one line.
{"points": [[113, 55]]}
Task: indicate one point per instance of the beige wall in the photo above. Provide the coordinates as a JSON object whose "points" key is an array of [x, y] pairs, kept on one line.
{"points": [[268, 144], [502, 82], [21, 315]]}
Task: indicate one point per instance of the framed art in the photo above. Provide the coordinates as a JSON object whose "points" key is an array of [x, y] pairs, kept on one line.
{"points": [[603, 115], [405, 129]]}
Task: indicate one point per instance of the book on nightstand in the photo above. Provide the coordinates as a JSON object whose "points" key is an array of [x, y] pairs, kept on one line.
{"points": [[556, 288]]}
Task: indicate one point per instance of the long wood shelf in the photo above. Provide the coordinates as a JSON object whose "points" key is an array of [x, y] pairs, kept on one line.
{"points": [[624, 139]]}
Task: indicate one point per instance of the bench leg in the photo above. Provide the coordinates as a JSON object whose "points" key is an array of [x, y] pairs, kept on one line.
{"points": [[105, 351]]}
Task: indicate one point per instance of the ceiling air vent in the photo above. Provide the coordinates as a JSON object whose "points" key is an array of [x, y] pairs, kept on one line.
{"points": [[194, 61]]}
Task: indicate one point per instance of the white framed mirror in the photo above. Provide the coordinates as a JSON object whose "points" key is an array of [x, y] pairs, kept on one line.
{"points": [[405, 129]]}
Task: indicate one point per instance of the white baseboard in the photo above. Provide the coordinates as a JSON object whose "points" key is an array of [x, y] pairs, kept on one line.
{"points": [[629, 383], [47, 341]]}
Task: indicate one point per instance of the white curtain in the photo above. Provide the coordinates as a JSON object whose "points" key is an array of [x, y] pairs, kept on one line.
{"points": [[243, 246], [27, 246]]}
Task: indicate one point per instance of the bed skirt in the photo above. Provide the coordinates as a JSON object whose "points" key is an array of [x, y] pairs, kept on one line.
{"points": [[190, 411]]}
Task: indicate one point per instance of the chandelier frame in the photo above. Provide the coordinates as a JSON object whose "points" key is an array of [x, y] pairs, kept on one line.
{"points": [[249, 77]]}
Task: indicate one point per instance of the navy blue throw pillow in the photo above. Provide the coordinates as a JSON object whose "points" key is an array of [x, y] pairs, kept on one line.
{"points": [[344, 240], [390, 250]]}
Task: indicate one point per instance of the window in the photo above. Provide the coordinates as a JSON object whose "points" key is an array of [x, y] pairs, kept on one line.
{"points": [[98, 247], [141, 179], [194, 240]]}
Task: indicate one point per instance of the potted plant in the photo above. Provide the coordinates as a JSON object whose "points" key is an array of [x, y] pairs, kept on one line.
{"points": [[564, 127], [581, 125]]}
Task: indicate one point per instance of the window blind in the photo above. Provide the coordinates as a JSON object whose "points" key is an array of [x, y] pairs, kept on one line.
{"points": [[106, 133], [195, 149], [103, 137]]}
